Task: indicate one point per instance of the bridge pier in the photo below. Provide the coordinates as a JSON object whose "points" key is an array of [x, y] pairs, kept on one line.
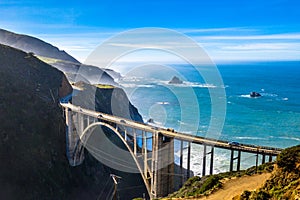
{"points": [[188, 161], [232, 158], [75, 125], [263, 160], [162, 182], [181, 161], [270, 158], [204, 160], [211, 161]]}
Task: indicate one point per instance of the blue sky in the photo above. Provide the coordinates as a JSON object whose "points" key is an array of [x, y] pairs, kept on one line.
{"points": [[228, 30]]}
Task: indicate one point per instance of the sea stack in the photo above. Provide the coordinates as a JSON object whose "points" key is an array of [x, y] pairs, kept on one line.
{"points": [[175, 80], [255, 94]]}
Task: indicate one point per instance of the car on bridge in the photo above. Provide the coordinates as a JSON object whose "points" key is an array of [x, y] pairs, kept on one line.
{"points": [[233, 143]]}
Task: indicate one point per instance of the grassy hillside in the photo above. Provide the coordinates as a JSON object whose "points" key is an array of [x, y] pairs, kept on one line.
{"points": [[203, 186], [285, 181]]}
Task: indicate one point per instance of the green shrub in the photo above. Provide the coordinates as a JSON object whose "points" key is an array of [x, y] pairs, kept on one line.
{"points": [[211, 182], [288, 158], [245, 195]]}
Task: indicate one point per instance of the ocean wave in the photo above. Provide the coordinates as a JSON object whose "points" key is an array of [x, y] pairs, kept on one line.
{"points": [[150, 82], [131, 85], [245, 96], [269, 95], [131, 79], [191, 84], [262, 94], [250, 138], [181, 122], [163, 103], [289, 138]]}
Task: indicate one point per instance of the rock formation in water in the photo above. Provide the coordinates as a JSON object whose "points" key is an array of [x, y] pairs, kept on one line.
{"points": [[175, 80]]}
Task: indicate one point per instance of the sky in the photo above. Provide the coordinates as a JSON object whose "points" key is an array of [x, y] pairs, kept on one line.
{"points": [[233, 30]]}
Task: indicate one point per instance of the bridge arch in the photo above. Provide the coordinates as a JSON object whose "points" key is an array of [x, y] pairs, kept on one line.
{"points": [[85, 136]]}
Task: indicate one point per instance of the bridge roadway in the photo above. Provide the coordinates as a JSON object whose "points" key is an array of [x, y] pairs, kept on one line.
{"points": [[177, 135]]}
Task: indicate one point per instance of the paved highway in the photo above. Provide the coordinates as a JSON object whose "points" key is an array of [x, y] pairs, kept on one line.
{"points": [[172, 133]]}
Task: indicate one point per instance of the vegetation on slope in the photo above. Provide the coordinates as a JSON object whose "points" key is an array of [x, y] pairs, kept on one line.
{"points": [[203, 186], [285, 181]]}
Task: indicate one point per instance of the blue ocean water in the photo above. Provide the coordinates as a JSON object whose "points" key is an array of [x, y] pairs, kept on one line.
{"points": [[271, 120]]}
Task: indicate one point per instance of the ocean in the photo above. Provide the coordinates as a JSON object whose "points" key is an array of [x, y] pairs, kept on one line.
{"points": [[270, 120]]}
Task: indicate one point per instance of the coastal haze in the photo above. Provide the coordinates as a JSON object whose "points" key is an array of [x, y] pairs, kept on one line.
{"points": [[225, 73]]}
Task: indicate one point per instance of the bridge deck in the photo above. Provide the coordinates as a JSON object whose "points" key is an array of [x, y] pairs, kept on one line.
{"points": [[171, 133]]}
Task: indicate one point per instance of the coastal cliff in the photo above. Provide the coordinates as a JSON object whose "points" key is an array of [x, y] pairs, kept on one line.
{"points": [[32, 137]]}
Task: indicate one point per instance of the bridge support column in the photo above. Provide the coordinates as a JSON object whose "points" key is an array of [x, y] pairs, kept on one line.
{"points": [[75, 126], [204, 161], [162, 182], [211, 164], [270, 158], [181, 162], [263, 160], [238, 161], [188, 160], [232, 158], [211, 161]]}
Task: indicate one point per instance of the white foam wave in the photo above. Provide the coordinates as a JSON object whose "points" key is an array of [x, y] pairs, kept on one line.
{"points": [[289, 138], [181, 122], [163, 103], [250, 138], [262, 94], [269, 95], [194, 85], [131, 85], [245, 96], [132, 82]]}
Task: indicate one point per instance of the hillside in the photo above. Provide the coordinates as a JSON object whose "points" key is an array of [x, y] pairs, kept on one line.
{"points": [[272, 181], [58, 58], [285, 180], [76, 72], [32, 137], [32, 44]]}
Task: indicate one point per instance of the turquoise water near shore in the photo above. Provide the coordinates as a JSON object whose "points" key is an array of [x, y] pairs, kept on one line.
{"points": [[271, 120]]}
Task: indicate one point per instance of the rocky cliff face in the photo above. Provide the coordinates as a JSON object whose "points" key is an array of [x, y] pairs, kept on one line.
{"points": [[110, 100], [32, 138]]}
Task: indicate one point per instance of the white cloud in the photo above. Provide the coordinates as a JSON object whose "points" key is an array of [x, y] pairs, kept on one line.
{"points": [[233, 43], [264, 46], [290, 36], [210, 30]]}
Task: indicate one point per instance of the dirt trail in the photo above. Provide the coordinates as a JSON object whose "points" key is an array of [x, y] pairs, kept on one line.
{"points": [[236, 186]]}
